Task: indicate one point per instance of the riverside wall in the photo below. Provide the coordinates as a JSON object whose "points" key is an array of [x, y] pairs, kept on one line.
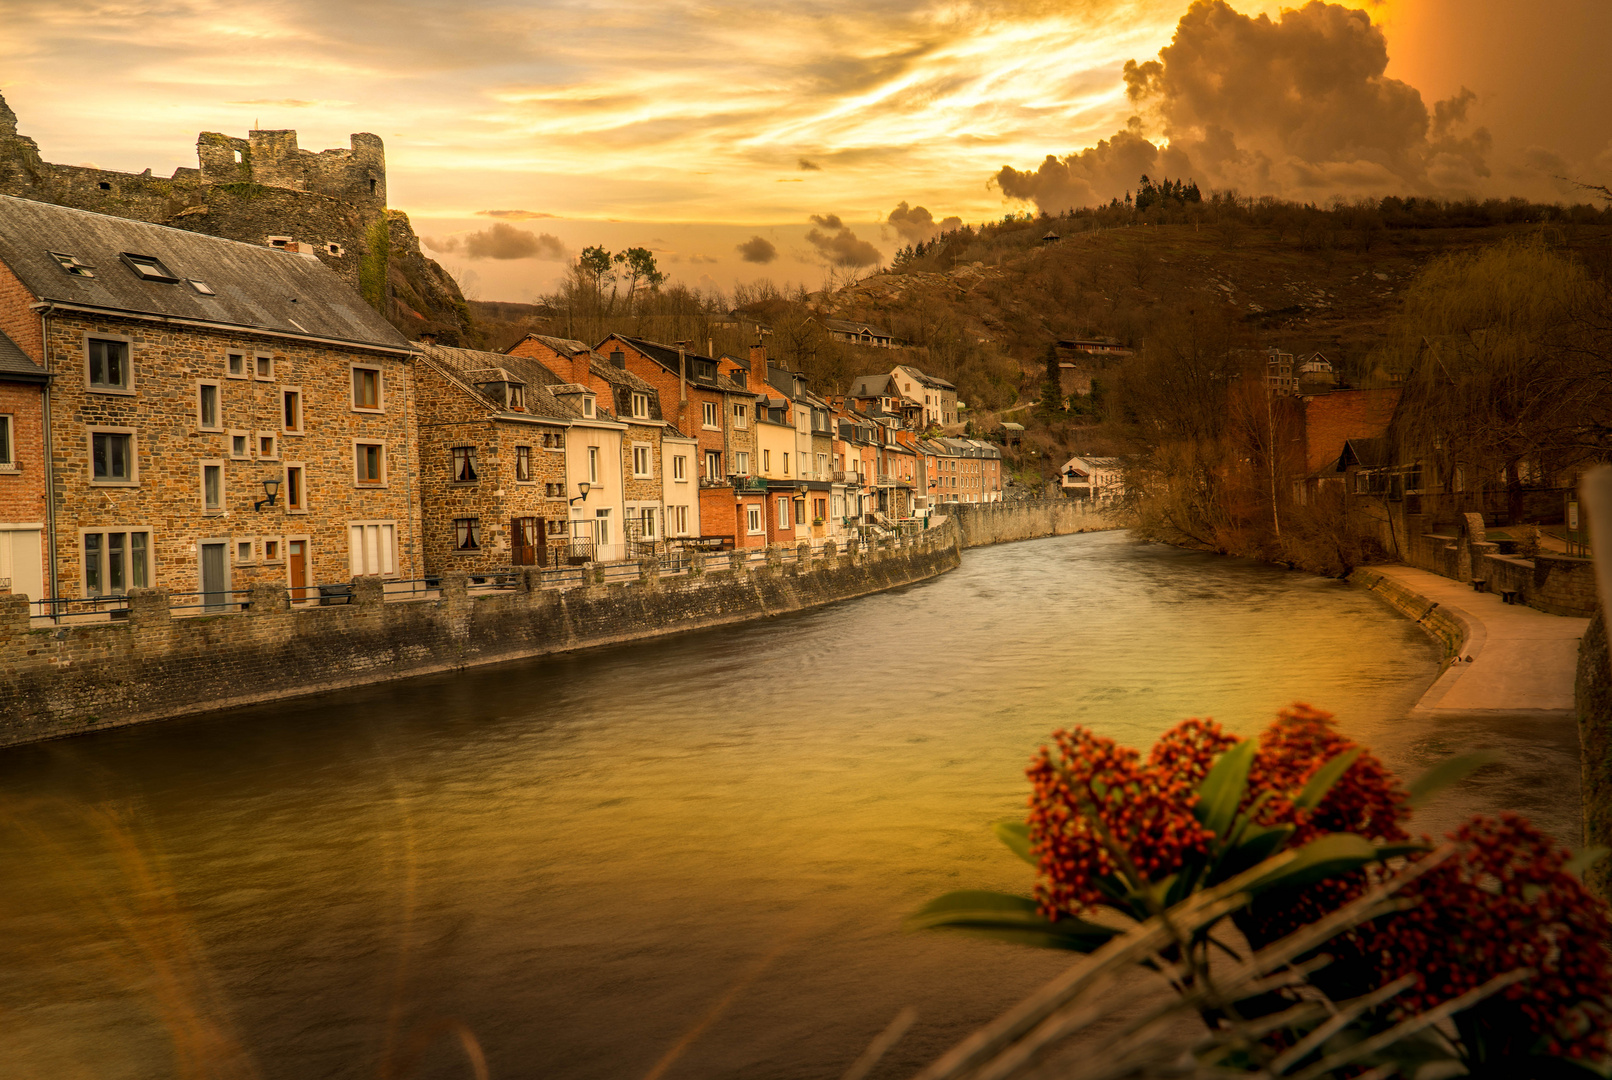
{"points": [[1592, 699], [1448, 629], [58, 681], [1026, 519]]}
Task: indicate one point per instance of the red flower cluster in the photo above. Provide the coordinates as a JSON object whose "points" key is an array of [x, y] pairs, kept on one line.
{"points": [[1366, 800], [1189, 749], [1146, 810], [1506, 901]]}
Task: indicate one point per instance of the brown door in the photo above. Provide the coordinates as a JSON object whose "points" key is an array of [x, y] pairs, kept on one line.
{"points": [[522, 544], [297, 560]]}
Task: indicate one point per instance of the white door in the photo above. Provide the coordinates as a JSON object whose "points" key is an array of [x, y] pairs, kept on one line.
{"points": [[21, 562]]}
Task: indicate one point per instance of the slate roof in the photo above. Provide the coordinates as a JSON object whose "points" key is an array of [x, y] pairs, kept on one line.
{"points": [[254, 287], [541, 403], [666, 356], [1367, 453], [931, 381], [845, 326], [15, 365], [868, 386]]}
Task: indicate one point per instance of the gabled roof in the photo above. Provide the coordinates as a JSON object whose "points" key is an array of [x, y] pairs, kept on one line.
{"points": [[15, 365], [846, 326], [925, 379], [252, 286], [465, 364], [667, 357], [870, 386], [1374, 453]]}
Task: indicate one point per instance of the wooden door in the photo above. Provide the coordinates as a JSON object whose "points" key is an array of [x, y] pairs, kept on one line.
{"points": [[297, 561], [215, 576]]}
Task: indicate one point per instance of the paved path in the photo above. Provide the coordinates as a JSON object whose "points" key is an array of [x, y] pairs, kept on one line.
{"points": [[1522, 660]]}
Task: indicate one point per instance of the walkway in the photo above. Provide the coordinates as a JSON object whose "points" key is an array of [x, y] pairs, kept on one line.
{"points": [[1521, 660]]}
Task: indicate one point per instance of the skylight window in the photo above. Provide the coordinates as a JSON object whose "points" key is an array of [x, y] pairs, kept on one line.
{"points": [[150, 268], [72, 265], [202, 287]]}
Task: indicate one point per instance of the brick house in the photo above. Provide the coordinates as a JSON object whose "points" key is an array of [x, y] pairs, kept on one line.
{"points": [[22, 458], [659, 463], [1330, 421], [221, 414], [492, 464]]}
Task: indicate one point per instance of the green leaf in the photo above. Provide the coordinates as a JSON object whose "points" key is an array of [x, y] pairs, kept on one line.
{"points": [[1222, 790], [1585, 859], [1009, 918], [1258, 844], [1323, 857], [1447, 772], [1399, 851], [1326, 776], [1016, 835]]}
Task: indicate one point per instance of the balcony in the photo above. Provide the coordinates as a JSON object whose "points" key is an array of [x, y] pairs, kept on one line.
{"points": [[748, 483]]}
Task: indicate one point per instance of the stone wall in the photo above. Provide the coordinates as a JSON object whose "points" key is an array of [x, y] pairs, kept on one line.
{"points": [[150, 666], [1445, 627], [1025, 519], [1592, 694], [1555, 584]]}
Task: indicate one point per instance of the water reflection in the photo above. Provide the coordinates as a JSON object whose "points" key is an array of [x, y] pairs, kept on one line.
{"points": [[688, 856]]}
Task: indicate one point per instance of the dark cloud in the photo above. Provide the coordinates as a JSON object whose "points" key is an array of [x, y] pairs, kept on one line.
{"points": [[758, 249], [514, 215], [1296, 106], [839, 246], [917, 225], [809, 166], [501, 241]]}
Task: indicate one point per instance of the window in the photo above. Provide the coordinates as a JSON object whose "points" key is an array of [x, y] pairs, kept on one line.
{"points": [[743, 458], [523, 464], [212, 481], [601, 527], [243, 551], [109, 364], [555, 527], [713, 464], [367, 388], [237, 365], [593, 464], [553, 491], [149, 268], [588, 407], [680, 520], [640, 406], [372, 547], [112, 457], [239, 447], [554, 440], [766, 461], [296, 492], [72, 265], [371, 459], [464, 464], [271, 550], [740, 416], [643, 465], [115, 562], [819, 508], [712, 420], [783, 513], [786, 464], [822, 464], [752, 515], [7, 459], [291, 410], [467, 534], [268, 446], [679, 467], [207, 406], [646, 522], [263, 366], [202, 287]]}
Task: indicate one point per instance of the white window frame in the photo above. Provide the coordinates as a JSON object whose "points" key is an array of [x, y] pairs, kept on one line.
{"points": [[709, 454], [766, 461], [680, 468], [648, 527], [589, 408], [202, 386], [741, 416], [134, 456], [358, 562], [711, 416], [640, 406], [593, 465], [223, 486], [679, 522], [128, 388], [755, 519], [380, 388], [783, 513], [647, 452], [743, 457], [530, 472]]}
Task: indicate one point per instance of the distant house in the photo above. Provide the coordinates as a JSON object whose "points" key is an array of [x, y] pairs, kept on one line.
{"points": [[1331, 421], [857, 333], [1316, 370], [1012, 434], [1091, 346], [919, 399], [1099, 478]]}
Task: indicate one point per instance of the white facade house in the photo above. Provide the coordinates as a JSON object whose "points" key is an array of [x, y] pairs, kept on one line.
{"points": [[1099, 478]]}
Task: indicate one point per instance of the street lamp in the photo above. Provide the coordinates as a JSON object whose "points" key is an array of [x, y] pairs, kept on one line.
{"points": [[271, 488], [584, 487]]}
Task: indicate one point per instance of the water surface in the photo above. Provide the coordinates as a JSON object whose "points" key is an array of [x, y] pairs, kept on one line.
{"points": [[685, 858]]}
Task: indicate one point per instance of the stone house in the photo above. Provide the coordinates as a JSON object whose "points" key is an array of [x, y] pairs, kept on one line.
{"points": [[23, 510], [920, 400], [493, 488], [1100, 478], [660, 482], [220, 414]]}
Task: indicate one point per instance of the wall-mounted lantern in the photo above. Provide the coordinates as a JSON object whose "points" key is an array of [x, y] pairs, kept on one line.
{"points": [[271, 488]]}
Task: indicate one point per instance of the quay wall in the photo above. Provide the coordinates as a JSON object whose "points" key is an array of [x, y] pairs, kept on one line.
{"points": [[1592, 700], [1443, 625], [67, 680], [1026, 519]]}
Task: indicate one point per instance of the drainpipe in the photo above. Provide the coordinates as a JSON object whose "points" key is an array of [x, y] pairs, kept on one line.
{"points": [[50, 462]]}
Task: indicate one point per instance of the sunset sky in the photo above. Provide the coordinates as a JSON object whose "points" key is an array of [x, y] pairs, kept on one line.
{"points": [[693, 128]]}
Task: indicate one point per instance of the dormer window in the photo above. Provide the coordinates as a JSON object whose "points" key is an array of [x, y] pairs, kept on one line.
{"points": [[517, 396], [149, 268], [640, 406], [587, 406], [72, 265]]}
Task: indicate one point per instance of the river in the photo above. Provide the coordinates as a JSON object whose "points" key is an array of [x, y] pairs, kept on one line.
{"points": [[678, 858]]}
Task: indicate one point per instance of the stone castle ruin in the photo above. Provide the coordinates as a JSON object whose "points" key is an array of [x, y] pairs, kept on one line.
{"points": [[264, 189]]}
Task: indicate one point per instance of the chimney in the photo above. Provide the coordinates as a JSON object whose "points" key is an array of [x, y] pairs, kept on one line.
{"points": [[580, 373], [618, 358], [758, 359]]}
